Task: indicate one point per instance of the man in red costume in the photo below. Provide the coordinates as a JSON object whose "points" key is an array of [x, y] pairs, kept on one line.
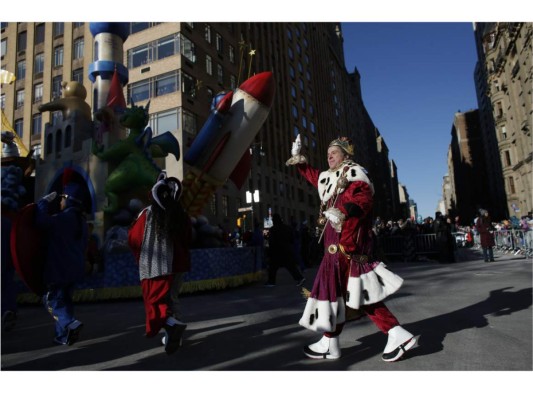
{"points": [[348, 275], [160, 239]]}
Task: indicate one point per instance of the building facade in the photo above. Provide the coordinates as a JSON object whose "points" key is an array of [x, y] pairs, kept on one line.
{"points": [[504, 86]]}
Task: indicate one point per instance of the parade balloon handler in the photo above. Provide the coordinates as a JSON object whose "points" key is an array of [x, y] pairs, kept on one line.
{"points": [[348, 274], [65, 234], [161, 238]]}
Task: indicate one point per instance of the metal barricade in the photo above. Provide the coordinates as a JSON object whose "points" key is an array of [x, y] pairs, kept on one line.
{"points": [[518, 242]]}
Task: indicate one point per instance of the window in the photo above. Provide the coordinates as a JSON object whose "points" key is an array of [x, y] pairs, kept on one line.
{"points": [[504, 133], [293, 91], [188, 86], [165, 121], [4, 47], [68, 136], [165, 47], [57, 116], [77, 75], [232, 82], [79, 45], [22, 41], [208, 65], [19, 125], [213, 204], [140, 91], [232, 54], [3, 101], [187, 49], [294, 111], [220, 74], [39, 33], [78, 24], [511, 185], [38, 92], [303, 103], [21, 70], [165, 84], [20, 98], [507, 158], [289, 33], [313, 127], [289, 51], [219, 43], [225, 205], [304, 122], [38, 63], [139, 56], [291, 71], [207, 33], [36, 124], [189, 123], [58, 56], [138, 26], [58, 28], [56, 86]]}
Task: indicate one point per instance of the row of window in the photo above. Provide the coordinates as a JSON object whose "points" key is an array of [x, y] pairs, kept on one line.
{"points": [[160, 49], [58, 29], [38, 62]]}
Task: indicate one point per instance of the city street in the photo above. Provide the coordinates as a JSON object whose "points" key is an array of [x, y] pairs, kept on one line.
{"points": [[471, 316]]}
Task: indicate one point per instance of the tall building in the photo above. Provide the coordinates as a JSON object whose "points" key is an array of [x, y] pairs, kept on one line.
{"points": [[177, 68], [504, 87], [468, 166]]}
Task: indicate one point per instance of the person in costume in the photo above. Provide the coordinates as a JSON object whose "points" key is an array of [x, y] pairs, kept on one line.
{"points": [[160, 239], [348, 274], [12, 190], [66, 237]]}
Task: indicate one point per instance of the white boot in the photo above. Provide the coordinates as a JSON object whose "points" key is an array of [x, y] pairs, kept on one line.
{"points": [[325, 348], [398, 343]]}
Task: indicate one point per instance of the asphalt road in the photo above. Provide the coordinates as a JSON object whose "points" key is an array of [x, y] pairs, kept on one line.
{"points": [[470, 315]]}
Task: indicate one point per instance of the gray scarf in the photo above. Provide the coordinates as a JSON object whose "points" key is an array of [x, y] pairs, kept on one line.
{"points": [[156, 251]]}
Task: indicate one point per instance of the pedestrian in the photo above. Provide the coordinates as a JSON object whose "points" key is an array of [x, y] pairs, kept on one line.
{"points": [[280, 252], [485, 229], [444, 239], [160, 239], [348, 274], [66, 236]]}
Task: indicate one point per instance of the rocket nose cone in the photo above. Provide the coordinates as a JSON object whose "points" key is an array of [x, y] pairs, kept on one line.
{"points": [[261, 86]]}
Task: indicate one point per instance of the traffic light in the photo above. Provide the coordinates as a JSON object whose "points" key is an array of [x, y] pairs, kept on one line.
{"points": [[239, 222]]}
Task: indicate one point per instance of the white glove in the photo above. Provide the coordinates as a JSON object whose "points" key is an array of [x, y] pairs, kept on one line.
{"points": [[296, 146], [335, 217], [50, 197]]}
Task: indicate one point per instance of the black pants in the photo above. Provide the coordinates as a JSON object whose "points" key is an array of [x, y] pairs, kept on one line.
{"points": [[293, 270]]}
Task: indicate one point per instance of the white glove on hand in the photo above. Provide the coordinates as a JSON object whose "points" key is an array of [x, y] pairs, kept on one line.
{"points": [[50, 197], [296, 146], [335, 217]]}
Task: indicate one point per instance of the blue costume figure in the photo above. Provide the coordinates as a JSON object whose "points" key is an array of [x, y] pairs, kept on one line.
{"points": [[66, 236], [12, 192]]}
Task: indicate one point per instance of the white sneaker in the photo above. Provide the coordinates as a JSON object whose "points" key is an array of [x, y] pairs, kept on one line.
{"points": [[398, 343], [325, 348]]}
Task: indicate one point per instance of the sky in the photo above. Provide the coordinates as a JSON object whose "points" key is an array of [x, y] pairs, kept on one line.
{"points": [[414, 78]]}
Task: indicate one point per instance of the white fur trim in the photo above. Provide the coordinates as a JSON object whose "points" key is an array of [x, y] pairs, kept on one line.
{"points": [[370, 285], [327, 180], [323, 315]]}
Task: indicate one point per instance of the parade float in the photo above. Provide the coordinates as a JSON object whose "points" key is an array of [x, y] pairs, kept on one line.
{"points": [[117, 171]]}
